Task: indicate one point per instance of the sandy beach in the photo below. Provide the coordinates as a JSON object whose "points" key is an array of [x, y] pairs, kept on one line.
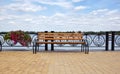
{"points": [[25, 62]]}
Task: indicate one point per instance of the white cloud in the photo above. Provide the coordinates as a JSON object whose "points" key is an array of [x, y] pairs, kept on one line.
{"points": [[77, 0], [65, 4], [11, 22], [28, 19], [105, 13], [26, 7], [77, 8], [96, 20], [99, 11], [115, 18], [61, 3], [59, 15], [93, 21], [2, 18], [112, 12]]}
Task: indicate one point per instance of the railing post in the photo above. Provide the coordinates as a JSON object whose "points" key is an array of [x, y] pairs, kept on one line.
{"points": [[46, 45], [52, 45], [107, 41], [113, 38]]}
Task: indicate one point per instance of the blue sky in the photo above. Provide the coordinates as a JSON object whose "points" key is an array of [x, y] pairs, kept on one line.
{"points": [[60, 15]]}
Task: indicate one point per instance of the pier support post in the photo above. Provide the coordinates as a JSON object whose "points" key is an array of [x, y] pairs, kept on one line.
{"points": [[46, 45], [113, 44], [52, 45], [107, 41]]}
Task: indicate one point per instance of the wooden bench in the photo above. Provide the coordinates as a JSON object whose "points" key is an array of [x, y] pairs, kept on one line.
{"points": [[60, 38]]}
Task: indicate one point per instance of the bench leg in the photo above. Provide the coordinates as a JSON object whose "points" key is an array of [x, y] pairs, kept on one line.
{"points": [[35, 51], [33, 48], [86, 49], [82, 48], [37, 47]]}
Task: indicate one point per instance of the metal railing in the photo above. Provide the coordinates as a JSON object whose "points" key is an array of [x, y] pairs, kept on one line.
{"points": [[106, 41]]}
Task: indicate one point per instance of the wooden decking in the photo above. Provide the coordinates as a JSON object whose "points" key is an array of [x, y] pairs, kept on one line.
{"points": [[24, 62]]}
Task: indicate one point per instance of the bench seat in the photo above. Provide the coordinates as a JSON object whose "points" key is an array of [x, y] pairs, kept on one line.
{"points": [[60, 38]]}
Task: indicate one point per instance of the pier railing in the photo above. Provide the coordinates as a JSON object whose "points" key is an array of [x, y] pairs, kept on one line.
{"points": [[106, 41]]}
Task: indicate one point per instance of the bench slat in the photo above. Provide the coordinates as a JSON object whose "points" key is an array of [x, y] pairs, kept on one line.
{"points": [[60, 42], [58, 39], [60, 36]]}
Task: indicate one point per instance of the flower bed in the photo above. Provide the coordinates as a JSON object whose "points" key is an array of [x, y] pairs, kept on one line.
{"points": [[18, 36]]}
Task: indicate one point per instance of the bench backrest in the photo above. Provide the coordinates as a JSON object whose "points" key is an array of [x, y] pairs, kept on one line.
{"points": [[59, 36]]}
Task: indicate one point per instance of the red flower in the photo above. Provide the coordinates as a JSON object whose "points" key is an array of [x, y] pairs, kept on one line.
{"points": [[19, 36]]}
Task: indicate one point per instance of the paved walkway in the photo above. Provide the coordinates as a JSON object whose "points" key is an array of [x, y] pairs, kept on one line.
{"points": [[24, 62]]}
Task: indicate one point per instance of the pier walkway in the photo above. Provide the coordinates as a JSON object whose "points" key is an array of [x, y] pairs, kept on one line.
{"points": [[24, 62]]}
